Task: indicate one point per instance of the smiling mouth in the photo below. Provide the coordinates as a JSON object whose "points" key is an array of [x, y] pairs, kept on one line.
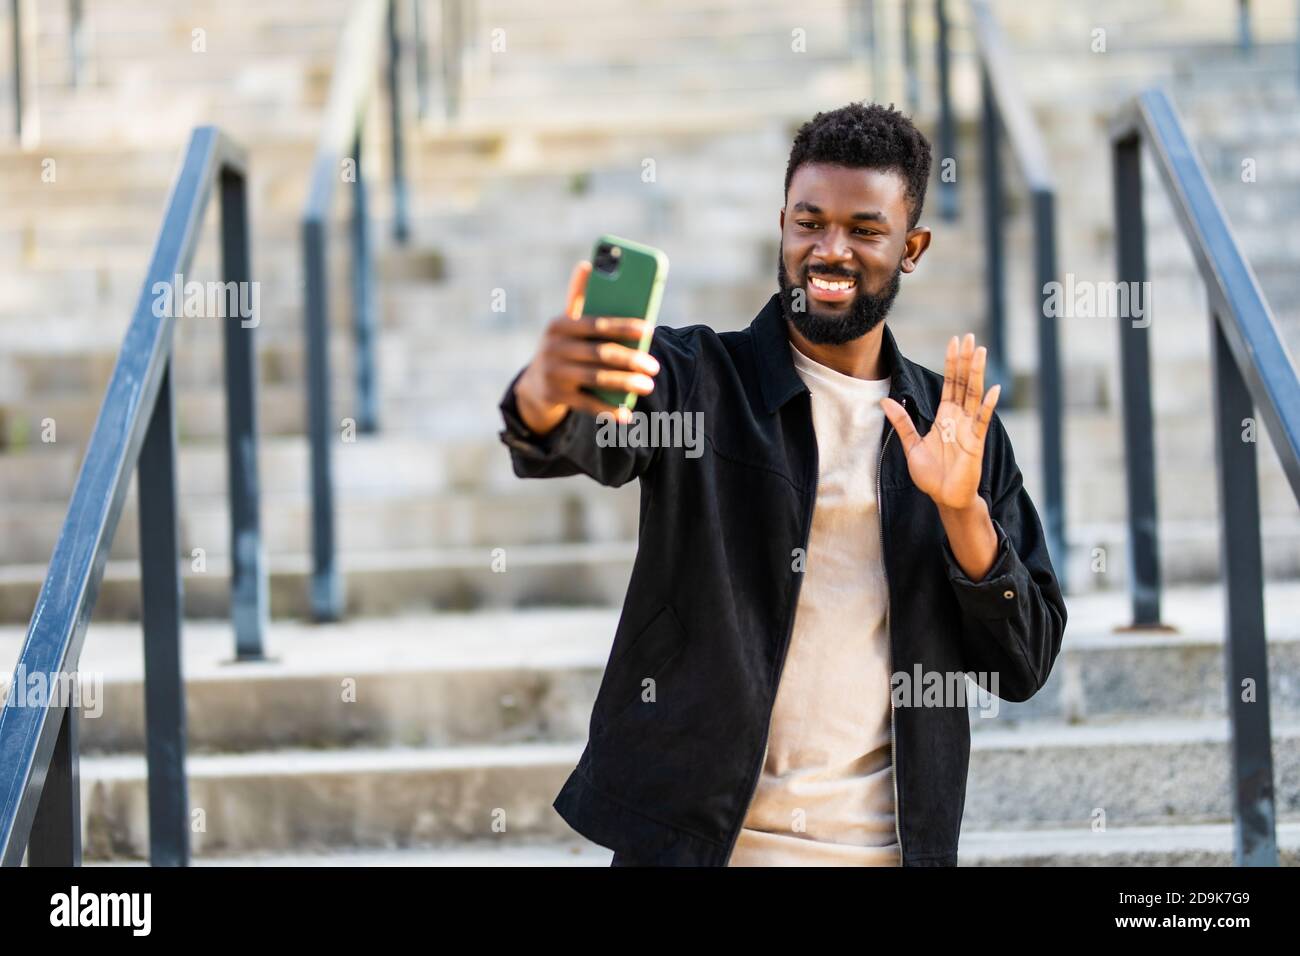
{"points": [[831, 289], [832, 285]]}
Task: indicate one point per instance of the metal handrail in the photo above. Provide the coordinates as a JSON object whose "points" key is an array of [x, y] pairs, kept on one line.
{"points": [[26, 115], [947, 133], [351, 87], [456, 33], [76, 43], [1006, 114], [135, 433], [1252, 369]]}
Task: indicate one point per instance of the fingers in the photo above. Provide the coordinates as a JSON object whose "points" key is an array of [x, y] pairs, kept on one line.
{"points": [[610, 355], [949, 371], [963, 373], [981, 426], [902, 423], [560, 384], [592, 405], [975, 384], [572, 375], [577, 294], [577, 352], [961, 382], [588, 351], [597, 327]]}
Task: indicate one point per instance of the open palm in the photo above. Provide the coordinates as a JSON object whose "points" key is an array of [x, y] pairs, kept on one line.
{"points": [[946, 462]]}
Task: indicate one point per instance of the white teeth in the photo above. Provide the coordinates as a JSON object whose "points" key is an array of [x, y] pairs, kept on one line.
{"points": [[831, 286]]}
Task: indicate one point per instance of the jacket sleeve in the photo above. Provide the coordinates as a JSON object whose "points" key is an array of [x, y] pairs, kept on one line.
{"points": [[581, 444], [1013, 619]]}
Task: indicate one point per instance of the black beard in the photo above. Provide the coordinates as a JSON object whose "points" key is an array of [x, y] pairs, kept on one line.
{"points": [[832, 328]]}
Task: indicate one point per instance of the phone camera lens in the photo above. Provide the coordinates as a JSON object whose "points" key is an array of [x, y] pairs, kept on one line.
{"points": [[607, 257]]}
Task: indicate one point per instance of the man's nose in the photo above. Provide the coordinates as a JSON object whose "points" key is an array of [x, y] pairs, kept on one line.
{"points": [[832, 248]]}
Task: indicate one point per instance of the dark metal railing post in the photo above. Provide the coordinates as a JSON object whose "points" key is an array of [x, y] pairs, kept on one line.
{"points": [[55, 838], [16, 19], [326, 586], [1135, 384], [363, 305], [873, 47], [248, 582], [1297, 43], [1244, 39], [913, 89], [421, 42], [401, 211], [947, 125], [76, 41], [994, 239], [1256, 383], [372, 25], [1005, 114], [1246, 646], [453, 27], [1049, 382], [160, 585], [134, 434]]}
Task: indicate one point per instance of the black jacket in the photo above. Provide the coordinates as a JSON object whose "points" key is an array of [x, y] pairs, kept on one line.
{"points": [[710, 606]]}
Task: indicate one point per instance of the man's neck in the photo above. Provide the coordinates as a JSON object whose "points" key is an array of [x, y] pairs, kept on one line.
{"points": [[861, 358]]}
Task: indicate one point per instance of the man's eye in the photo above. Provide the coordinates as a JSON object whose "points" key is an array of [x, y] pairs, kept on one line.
{"points": [[866, 232], [808, 225]]}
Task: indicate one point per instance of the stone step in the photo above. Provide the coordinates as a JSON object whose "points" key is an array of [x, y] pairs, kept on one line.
{"points": [[438, 346], [445, 346], [1108, 674], [1137, 773], [569, 572], [456, 391], [571, 83], [301, 800], [505, 677], [201, 415], [373, 466], [391, 463], [523, 155], [1208, 844], [439, 680], [378, 583], [536, 513], [1171, 845], [440, 322], [916, 291], [556, 852]]}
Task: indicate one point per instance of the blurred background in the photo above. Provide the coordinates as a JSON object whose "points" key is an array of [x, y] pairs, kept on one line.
{"points": [[418, 636]]}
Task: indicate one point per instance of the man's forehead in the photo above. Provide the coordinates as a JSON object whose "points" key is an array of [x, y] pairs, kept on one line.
{"points": [[823, 183]]}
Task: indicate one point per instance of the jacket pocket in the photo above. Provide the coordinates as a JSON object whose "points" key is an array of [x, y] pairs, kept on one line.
{"points": [[646, 655]]}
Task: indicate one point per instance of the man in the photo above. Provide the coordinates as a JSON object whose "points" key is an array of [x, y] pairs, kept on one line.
{"points": [[801, 570]]}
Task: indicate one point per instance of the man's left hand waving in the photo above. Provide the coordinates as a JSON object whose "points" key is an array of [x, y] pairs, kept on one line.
{"points": [[945, 463]]}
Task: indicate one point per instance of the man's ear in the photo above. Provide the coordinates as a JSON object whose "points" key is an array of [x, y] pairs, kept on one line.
{"points": [[782, 217], [914, 246]]}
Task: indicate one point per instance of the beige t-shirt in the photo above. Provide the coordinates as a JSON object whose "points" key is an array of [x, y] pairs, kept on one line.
{"points": [[825, 796]]}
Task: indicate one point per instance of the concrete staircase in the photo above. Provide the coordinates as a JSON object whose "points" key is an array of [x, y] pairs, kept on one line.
{"points": [[442, 739], [473, 688]]}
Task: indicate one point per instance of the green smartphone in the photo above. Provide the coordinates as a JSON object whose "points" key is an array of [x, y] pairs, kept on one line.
{"points": [[627, 280]]}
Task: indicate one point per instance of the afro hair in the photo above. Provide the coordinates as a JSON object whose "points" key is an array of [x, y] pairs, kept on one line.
{"points": [[866, 136]]}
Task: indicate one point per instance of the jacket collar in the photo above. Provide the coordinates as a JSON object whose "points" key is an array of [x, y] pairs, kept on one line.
{"points": [[780, 382]]}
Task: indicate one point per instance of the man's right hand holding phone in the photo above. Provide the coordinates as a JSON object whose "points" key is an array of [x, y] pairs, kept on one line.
{"points": [[577, 350]]}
